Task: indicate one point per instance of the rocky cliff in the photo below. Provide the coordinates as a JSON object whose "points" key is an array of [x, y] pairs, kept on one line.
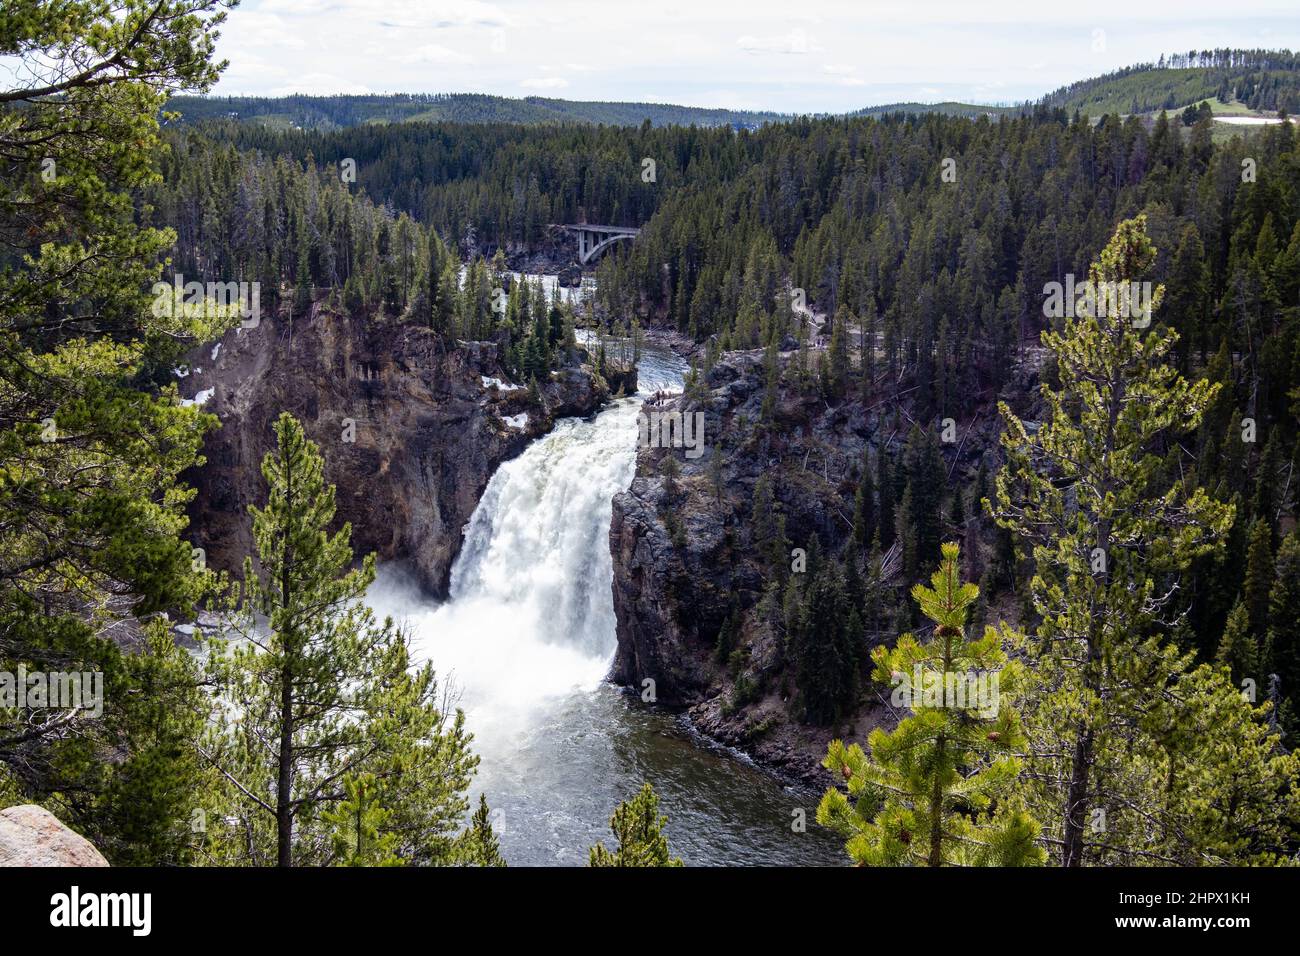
{"points": [[410, 431], [686, 559]]}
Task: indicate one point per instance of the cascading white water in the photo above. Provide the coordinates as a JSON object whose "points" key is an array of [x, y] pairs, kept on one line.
{"points": [[526, 638], [531, 613]]}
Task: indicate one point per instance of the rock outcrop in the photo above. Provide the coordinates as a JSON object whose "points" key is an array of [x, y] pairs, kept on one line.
{"points": [[411, 431], [32, 836], [685, 559]]}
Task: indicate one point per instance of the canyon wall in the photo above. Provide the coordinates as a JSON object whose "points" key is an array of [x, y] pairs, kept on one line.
{"points": [[686, 559], [410, 431]]}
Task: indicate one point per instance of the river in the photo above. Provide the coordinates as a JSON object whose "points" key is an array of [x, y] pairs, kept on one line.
{"points": [[527, 638]]}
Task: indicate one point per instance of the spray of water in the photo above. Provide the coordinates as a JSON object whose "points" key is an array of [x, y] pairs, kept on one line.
{"points": [[527, 638], [531, 614]]}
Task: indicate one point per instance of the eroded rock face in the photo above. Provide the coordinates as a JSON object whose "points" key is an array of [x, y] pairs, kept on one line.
{"points": [[410, 432], [675, 587], [659, 638], [32, 836]]}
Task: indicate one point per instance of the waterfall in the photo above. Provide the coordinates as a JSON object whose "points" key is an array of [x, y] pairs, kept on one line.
{"points": [[526, 639], [531, 613]]}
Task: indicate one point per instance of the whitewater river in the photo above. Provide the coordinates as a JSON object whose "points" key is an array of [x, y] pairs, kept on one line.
{"points": [[527, 638]]}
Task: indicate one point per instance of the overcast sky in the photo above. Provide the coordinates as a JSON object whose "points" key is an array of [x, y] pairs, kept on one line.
{"points": [[791, 56]]}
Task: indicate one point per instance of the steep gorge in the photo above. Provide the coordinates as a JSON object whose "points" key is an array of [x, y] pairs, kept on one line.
{"points": [[411, 432], [687, 559]]}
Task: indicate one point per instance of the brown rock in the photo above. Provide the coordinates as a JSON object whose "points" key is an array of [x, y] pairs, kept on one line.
{"points": [[410, 430]]}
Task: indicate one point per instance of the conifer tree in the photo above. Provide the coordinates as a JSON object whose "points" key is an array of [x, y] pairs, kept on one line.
{"points": [[637, 825], [1222, 791], [826, 645], [864, 505], [768, 529], [932, 792], [326, 739], [360, 826], [885, 487], [1238, 648], [921, 515], [1258, 584], [838, 366], [91, 453], [1083, 492], [1284, 618], [480, 846]]}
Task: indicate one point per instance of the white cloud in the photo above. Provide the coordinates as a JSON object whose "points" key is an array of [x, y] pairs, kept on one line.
{"points": [[435, 53], [819, 55], [405, 14], [545, 83], [795, 42]]}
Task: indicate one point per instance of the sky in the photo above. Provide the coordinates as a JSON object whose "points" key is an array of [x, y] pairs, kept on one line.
{"points": [[797, 56]]}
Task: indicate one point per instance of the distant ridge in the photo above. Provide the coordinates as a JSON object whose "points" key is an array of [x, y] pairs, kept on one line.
{"points": [[970, 110], [328, 112], [1257, 80], [1235, 81]]}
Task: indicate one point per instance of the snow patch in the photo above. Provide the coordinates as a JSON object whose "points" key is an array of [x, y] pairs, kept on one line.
{"points": [[489, 382], [519, 421]]}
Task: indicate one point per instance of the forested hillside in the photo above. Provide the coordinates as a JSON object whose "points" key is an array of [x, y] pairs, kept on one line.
{"points": [[1263, 80], [330, 112], [946, 278], [968, 110], [891, 392]]}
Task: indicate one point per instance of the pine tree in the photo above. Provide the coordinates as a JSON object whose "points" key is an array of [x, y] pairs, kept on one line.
{"points": [[1082, 491], [1224, 790], [639, 829], [1238, 648], [864, 505], [768, 530], [771, 383], [1258, 584], [323, 705], [826, 645], [921, 514], [838, 366], [957, 513], [479, 846], [1186, 305], [153, 795], [91, 452], [360, 826], [885, 487], [1264, 504], [1284, 618], [932, 791]]}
